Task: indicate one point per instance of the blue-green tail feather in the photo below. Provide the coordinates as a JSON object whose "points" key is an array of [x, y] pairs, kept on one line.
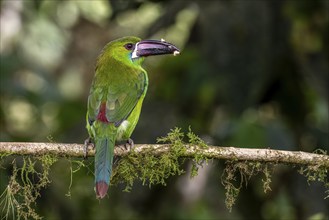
{"points": [[103, 164]]}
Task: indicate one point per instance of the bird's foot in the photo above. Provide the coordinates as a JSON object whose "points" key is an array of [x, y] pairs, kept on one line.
{"points": [[86, 144], [129, 144]]}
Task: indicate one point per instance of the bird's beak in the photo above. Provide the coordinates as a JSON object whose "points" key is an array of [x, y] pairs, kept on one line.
{"points": [[146, 48]]}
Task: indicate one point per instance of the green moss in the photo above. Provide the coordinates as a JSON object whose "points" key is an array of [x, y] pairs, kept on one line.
{"points": [[150, 168], [198, 157], [236, 174], [317, 172], [19, 197]]}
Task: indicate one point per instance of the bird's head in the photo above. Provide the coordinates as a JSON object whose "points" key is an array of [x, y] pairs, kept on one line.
{"points": [[134, 49]]}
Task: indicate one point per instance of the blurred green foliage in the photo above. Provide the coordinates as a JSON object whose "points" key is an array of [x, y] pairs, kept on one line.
{"points": [[251, 74]]}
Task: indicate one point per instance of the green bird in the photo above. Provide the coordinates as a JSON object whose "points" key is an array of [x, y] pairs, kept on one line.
{"points": [[116, 97]]}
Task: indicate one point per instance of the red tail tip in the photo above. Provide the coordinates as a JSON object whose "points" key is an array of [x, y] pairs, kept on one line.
{"points": [[101, 189]]}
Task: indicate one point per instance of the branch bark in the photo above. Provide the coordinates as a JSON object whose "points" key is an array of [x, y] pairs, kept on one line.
{"points": [[212, 152]]}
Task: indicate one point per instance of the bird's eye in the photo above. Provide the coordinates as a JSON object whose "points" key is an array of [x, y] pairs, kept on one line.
{"points": [[129, 46]]}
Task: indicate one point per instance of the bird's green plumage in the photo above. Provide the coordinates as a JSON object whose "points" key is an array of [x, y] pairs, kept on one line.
{"points": [[119, 82], [115, 101], [116, 96]]}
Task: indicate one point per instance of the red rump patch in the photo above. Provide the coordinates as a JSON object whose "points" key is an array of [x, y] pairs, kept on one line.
{"points": [[102, 113]]}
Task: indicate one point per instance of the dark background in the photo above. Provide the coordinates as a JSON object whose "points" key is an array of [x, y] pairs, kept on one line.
{"points": [[251, 74]]}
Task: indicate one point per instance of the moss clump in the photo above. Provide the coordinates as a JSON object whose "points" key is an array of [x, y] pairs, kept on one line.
{"points": [[237, 174], [152, 168], [198, 158], [19, 197], [317, 172]]}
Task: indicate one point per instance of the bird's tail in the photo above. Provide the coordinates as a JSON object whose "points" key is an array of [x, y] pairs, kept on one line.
{"points": [[103, 164]]}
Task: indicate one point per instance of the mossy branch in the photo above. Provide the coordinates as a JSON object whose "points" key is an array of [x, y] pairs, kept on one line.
{"points": [[154, 164], [210, 152]]}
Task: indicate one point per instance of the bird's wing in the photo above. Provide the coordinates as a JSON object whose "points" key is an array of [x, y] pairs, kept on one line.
{"points": [[94, 102], [119, 100], [122, 100]]}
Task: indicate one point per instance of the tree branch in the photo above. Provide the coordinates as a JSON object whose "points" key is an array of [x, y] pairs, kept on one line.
{"points": [[211, 152]]}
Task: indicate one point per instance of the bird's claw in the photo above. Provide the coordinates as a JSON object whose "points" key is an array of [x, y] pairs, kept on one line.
{"points": [[86, 144], [129, 144]]}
